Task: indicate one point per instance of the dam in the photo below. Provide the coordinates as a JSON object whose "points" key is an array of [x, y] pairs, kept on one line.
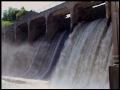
{"points": [[80, 51]]}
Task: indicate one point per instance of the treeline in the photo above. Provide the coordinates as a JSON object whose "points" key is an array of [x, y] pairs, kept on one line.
{"points": [[12, 14]]}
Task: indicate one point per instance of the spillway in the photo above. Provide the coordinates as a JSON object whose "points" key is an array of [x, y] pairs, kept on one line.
{"points": [[35, 60], [76, 60], [86, 56]]}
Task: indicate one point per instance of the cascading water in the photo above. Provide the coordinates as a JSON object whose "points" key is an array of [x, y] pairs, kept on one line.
{"points": [[32, 61], [84, 61], [44, 57]]}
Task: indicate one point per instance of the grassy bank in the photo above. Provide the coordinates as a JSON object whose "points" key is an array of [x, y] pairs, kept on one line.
{"points": [[5, 23]]}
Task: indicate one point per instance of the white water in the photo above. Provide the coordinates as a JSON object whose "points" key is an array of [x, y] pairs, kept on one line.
{"points": [[84, 61], [31, 60]]}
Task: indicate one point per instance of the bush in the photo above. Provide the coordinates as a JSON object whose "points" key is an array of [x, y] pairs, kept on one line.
{"points": [[5, 23], [12, 14]]}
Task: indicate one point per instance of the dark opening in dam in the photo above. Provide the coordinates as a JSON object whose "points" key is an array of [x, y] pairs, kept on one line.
{"points": [[63, 23], [37, 28], [92, 13], [22, 32]]}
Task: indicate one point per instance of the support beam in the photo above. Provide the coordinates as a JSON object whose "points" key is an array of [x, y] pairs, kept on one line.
{"points": [[114, 70], [114, 77], [15, 28], [74, 17], [28, 31], [9, 35], [3, 35], [108, 9], [117, 10], [115, 27], [51, 27]]}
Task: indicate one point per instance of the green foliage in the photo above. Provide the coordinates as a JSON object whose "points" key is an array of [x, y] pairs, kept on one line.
{"points": [[5, 23], [5, 15], [21, 12], [12, 14]]}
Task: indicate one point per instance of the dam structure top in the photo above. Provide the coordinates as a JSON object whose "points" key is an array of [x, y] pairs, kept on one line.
{"points": [[49, 20]]}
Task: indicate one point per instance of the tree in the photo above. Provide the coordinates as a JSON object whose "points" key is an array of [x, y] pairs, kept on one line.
{"points": [[12, 14], [21, 12], [5, 15]]}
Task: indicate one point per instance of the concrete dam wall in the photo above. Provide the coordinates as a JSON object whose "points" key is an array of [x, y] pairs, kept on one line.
{"points": [[70, 52]]}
